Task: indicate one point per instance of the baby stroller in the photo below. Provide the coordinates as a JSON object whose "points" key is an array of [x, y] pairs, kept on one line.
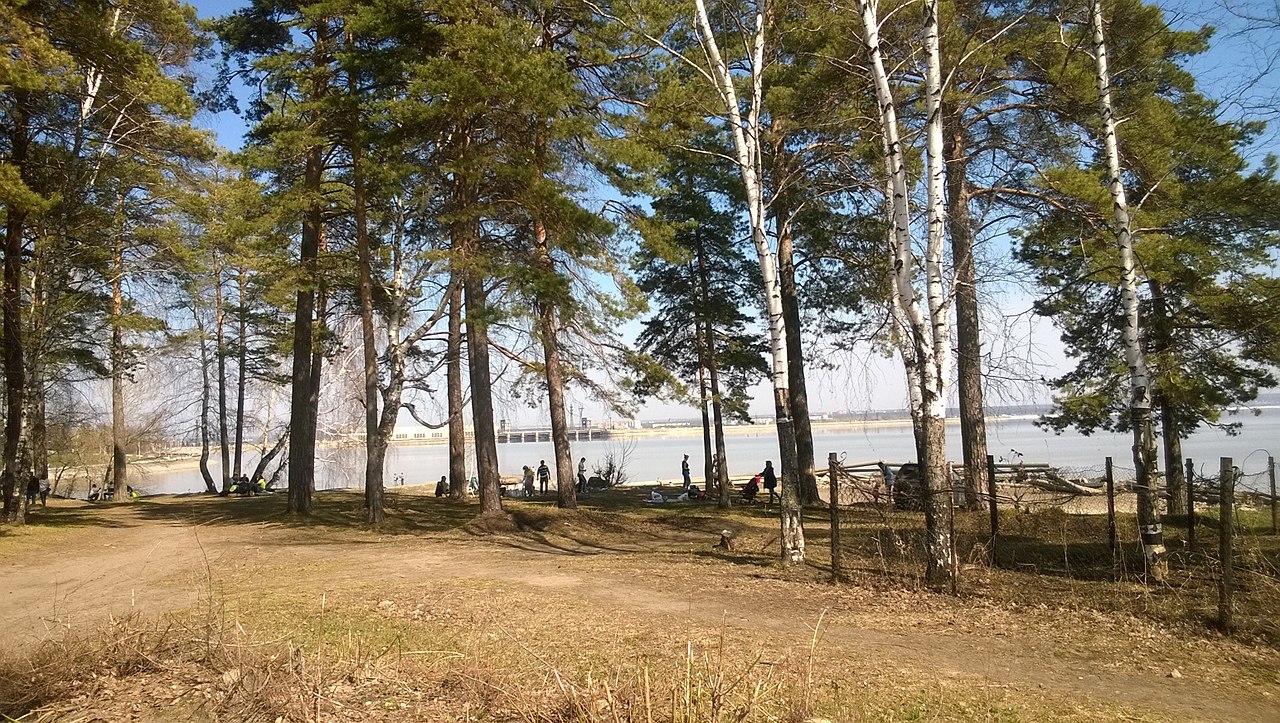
{"points": [[751, 490]]}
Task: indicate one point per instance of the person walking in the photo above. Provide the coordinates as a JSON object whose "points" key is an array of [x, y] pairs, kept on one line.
{"points": [[33, 489], [44, 491], [544, 476], [770, 479], [684, 472], [582, 476]]}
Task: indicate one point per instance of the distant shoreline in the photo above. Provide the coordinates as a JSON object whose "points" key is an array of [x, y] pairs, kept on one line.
{"points": [[183, 459]]}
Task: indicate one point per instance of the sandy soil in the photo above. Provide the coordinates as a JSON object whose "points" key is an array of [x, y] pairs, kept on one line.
{"points": [[169, 555]]}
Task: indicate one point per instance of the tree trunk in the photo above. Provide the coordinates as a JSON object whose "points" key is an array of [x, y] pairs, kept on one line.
{"points": [[1144, 444], [205, 396], [1175, 478], [119, 461], [374, 450], [566, 483], [241, 372], [724, 497], [923, 342], [260, 469], [795, 365], [220, 356], [481, 391], [701, 331], [35, 381], [317, 366], [301, 409], [746, 139], [457, 431], [941, 570], [14, 363], [305, 382], [1175, 475], [973, 422]]}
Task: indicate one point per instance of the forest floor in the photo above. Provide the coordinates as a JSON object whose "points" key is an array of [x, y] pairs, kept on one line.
{"points": [[224, 609]]}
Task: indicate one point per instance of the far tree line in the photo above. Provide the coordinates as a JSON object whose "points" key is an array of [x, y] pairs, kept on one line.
{"points": [[463, 191]]}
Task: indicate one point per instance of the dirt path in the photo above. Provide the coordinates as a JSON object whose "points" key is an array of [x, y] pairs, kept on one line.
{"points": [[150, 566]]}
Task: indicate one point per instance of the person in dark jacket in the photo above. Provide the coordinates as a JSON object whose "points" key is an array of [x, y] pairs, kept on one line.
{"points": [[770, 479], [684, 472]]}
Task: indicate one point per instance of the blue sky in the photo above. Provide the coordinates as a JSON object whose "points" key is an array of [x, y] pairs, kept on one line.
{"points": [[1238, 70]]}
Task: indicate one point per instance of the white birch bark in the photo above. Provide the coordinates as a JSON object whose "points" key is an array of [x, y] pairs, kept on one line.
{"points": [[1144, 446], [928, 336], [746, 135]]}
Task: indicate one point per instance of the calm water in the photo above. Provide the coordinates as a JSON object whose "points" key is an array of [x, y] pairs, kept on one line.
{"points": [[651, 459]]}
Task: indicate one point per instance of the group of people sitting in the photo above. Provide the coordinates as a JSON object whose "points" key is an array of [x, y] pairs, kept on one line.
{"points": [[108, 492], [242, 486]]}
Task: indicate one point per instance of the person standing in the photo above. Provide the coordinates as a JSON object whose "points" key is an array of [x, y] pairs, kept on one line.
{"points": [[44, 491], [33, 489], [544, 476], [582, 476], [770, 479], [684, 472], [528, 481]]}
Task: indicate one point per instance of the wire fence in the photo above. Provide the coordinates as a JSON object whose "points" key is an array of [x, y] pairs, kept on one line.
{"points": [[1070, 536]]}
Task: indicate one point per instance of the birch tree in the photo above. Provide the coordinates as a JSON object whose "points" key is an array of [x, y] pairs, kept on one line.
{"points": [[695, 44], [922, 330], [1144, 442]]}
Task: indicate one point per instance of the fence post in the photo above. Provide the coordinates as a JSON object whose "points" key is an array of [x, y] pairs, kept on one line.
{"points": [[991, 504], [1275, 506], [1226, 494], [1111, 521], [1191, 506], [833, 488]]}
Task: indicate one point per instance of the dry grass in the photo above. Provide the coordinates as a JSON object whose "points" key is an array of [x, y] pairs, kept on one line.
{"points": [[669, 630]]}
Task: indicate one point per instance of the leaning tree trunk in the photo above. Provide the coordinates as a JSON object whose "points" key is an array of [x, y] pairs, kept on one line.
{"points": [[205, 397], [119, 460], [481, 389], [14, 363], [261, 468], [457, 431], [795, 365], [1144, 443], [973, 421], [220, 355], [746, 136]]}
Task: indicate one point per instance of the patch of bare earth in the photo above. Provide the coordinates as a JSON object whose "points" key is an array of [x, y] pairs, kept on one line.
{"points": [[546, 615]]}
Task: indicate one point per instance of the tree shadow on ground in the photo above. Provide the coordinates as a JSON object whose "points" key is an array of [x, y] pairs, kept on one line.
{"points": [[101, 514]]}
